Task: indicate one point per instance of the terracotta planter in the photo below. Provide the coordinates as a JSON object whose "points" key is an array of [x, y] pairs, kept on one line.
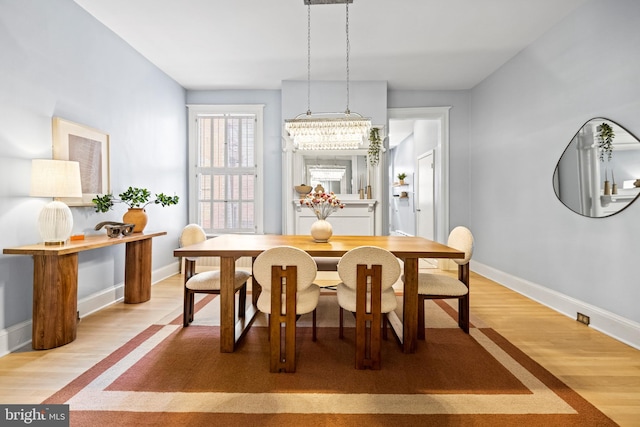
{"points": [[321, 231], [137, 217]]}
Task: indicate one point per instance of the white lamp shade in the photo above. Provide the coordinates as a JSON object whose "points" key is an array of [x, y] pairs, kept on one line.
{"points": [[55, 178]]}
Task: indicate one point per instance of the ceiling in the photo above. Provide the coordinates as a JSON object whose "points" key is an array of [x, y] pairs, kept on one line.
{"points": [[256, 44]]}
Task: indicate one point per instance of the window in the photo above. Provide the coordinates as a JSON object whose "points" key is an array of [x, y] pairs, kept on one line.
{"points": [[225, 150]]}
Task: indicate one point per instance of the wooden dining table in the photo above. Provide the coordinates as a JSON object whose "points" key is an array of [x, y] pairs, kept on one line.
{"points": [[231, 247]]}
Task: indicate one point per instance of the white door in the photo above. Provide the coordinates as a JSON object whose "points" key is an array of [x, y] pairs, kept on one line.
{"points": [[425, 200], [425, 203]]}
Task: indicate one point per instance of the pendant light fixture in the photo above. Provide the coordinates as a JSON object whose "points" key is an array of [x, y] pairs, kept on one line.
{"points": [[327, 131]]}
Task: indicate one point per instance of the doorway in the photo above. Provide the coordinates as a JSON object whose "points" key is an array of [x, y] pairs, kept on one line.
{"points": [[439, 115]]}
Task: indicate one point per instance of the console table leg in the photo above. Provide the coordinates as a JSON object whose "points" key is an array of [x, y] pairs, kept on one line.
{"points": [[55, 300], [137, 272]]}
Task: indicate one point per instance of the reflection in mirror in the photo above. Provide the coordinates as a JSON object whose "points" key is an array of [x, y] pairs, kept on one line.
{"points": [[340, 174], [331, 178], [598, 174]]}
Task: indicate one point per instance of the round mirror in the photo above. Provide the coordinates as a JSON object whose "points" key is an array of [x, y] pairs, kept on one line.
{"points": [[598, 174]]}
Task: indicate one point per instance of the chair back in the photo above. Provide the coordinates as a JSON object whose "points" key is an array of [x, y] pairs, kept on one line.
{"points": [[192, 234], [369, 255], [461, 239], [284, 256]]}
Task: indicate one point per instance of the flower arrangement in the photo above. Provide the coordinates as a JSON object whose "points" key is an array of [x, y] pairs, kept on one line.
{"points": [[322, 204]]}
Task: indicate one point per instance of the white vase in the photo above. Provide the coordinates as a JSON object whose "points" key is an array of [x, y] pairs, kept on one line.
{"points": [[321, 231]]}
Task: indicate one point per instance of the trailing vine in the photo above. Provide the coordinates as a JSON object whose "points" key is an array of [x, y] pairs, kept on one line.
{"points": [[605, 141], [375, 145]]}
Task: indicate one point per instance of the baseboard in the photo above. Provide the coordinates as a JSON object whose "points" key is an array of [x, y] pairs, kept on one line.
{"points": [[617, 327], [15, 337], [19, 335]]}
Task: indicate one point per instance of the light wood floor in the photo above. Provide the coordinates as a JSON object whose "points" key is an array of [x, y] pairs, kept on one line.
{"points": [[603, 370]]}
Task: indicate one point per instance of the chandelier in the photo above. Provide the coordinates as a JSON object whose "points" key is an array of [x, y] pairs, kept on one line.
{"points": [[327, 131]]}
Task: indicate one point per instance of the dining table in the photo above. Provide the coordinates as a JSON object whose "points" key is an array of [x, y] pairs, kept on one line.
{"points": [[230, 247]]}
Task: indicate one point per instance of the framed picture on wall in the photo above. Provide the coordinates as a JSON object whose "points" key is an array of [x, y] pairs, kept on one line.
{"points": [[90, 148]]}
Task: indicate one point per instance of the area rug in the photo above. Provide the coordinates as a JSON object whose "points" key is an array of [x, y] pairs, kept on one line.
{"points": [[174, 376]]}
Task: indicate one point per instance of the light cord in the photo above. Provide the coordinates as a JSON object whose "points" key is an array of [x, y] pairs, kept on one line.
{"points": [[309, 59], [347, 111]]}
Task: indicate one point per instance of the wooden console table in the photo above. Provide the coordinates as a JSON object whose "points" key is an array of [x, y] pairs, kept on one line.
{"points": [[55, 282]]}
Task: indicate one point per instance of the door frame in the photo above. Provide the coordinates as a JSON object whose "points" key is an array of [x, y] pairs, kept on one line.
{"points": [[441, 160]]}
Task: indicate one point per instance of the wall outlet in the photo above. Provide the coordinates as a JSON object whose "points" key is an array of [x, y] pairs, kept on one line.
{"points": [[583, 318]]}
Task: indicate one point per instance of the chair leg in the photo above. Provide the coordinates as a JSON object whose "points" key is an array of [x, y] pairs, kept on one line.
{"points": [[242, 302], [314, 324], [192, 310], [187, 310], [463, 313], [421, 325], [385, 322], [341, 333]]}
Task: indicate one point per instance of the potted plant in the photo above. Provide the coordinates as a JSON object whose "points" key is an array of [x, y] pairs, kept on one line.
{"points": [[401, 177], [137, 199], [375, 145]]}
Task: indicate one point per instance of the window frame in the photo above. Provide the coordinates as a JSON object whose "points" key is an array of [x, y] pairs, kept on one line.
{"points": [[194, 111]]}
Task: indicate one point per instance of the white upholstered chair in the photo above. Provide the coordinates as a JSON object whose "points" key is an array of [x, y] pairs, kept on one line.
{"points": [[286, 275], [368, 274], [207, 281], [440, 286]]}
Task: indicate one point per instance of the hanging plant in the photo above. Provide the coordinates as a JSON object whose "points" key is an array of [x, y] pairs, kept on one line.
{"points": [[605, 141], [375, 145]]}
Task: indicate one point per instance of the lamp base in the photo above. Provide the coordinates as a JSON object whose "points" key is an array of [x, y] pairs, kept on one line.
{"points": [[60, 243], [55, 223]]}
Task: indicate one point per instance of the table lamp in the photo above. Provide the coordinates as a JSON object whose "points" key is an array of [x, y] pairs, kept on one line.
{"points": [[55, 178]]}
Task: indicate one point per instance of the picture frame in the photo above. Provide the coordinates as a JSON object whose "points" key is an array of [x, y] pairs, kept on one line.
{"points": [[89, 147]]}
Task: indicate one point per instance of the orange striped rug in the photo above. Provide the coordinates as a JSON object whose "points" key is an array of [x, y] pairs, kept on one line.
{"points": [[174, 376]]}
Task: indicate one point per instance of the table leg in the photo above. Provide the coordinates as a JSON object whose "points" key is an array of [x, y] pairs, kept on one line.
{"points": [[55, 300], [137, 272], [227, 304], [410, 308]]}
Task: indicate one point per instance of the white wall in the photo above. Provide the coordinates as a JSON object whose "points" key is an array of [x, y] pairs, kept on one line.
{"points": [[522, 118], [57, 60]]}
